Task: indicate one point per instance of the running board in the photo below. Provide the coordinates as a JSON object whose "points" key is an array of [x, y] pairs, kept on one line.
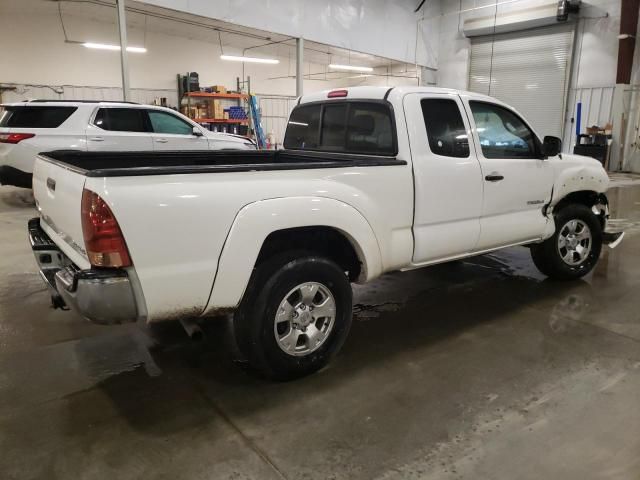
{"points": [[612, 239]]}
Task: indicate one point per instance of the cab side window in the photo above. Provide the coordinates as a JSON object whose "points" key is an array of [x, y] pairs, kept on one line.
{"points": [[502, 133], [445, 128], [163, 122]]}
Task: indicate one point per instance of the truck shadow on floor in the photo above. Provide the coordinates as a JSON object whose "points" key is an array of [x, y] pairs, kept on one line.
{"points": [[458, 311]]}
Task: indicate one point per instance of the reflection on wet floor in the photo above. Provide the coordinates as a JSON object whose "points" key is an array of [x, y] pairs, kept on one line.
{"points": [[480, 368]]}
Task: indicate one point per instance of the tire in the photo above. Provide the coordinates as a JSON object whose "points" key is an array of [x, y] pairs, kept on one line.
{"points": [[263, 340], [548, 255]]}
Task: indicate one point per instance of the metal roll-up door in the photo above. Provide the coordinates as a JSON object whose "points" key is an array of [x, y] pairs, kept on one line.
{"points": [[529, 70]]}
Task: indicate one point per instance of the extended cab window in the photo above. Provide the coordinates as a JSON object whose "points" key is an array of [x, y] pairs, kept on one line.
{"points": [[445, 128], [121, 119], [502, 133], [163, 122], [349, 127], [35, 117]]}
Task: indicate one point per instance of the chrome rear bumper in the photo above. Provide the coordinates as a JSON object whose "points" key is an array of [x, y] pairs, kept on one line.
{"points": [[102, 296]]}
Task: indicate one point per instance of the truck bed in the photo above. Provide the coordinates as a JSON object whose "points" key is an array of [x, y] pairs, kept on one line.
{"points": [[124, 164]]}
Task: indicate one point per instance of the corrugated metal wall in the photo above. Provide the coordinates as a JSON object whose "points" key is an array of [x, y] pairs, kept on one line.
{"points": [[597, 103], [275, 113]]}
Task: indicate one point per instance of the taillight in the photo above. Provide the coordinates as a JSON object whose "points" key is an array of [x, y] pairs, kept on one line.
{"points": [[103, 238], [337, 93], [15, 137]]}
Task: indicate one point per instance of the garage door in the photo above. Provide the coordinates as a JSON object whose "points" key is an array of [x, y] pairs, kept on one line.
{"points": [[528, 70]]}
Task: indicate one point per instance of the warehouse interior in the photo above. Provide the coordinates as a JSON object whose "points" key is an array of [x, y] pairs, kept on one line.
{"points": [[478, 368]]}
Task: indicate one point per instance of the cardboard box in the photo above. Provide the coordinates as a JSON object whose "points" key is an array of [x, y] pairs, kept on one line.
{"points": [[219, 89], [226, 115]]}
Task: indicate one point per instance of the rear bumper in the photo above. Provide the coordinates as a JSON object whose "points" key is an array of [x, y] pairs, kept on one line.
{"points": [[102, 296], [13, 176]]}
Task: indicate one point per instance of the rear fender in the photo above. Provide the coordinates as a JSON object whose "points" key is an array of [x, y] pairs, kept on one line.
{"points": [[257, 220]]}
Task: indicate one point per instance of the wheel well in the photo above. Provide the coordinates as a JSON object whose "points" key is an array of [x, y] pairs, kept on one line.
{"points": [[587, 198], [323, 240]]}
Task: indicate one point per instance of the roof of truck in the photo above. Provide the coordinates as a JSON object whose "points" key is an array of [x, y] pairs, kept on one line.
{"points": [[381, 93]]}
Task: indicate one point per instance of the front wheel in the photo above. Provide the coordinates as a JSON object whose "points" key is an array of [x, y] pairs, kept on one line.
{"points": [[573, 250], [295, 315]]}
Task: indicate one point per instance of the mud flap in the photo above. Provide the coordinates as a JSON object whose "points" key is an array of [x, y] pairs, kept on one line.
{"points": [[612, 239]]}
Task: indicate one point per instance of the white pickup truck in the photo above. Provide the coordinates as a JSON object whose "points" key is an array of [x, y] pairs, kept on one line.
{"points": [[372, 180]]}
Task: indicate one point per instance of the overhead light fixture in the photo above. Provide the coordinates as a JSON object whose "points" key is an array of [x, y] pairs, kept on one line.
{"points": [[104, 46], [362, 75], [351, 68], [235, 58]]}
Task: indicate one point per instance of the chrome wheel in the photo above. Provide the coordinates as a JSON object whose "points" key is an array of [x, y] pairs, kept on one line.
{"points": [[574, 242], [304, 318]]}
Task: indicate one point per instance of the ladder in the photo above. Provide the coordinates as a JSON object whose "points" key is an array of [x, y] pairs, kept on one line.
{"points": [[257, 122]]}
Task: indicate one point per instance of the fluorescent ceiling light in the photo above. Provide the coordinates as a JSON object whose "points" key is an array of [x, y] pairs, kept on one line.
{"points": [[351, 68], [104, 46], [362, 75], [235, 58]]}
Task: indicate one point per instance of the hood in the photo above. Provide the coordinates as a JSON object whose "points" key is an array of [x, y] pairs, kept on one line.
{"points": [[237, 141], [576, 160]]}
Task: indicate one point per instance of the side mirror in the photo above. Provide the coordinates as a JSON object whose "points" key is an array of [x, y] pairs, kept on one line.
{"points": [[551, 146], [197, 132]]}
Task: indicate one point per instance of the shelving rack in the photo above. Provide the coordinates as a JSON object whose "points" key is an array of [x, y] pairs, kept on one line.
{"points": [[241, 99]]}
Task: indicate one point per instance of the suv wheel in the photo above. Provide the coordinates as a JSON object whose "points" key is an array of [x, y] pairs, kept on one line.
{"points": [[295, 315]]}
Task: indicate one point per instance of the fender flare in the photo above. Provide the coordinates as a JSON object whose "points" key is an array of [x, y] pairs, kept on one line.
{"points": [[257, 220], [573, 180]]}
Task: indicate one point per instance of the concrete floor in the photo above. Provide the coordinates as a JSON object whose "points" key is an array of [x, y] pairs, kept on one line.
{"points": [[479, 369]]}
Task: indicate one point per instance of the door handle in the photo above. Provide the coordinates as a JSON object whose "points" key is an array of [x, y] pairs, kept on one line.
{"points": [[96, 139], [494, 177], [161, 140], [51, 184]]}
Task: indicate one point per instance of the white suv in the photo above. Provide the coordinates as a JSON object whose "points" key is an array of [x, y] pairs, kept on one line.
{"points": [[27, 128]]}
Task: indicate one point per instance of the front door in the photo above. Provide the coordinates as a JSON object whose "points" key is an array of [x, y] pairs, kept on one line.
{"points": [[517, 181], [172, 133], [447, 178]]}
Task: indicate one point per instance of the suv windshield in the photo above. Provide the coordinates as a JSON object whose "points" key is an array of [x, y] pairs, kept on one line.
{"points": [[35, 117], [342, 126]]}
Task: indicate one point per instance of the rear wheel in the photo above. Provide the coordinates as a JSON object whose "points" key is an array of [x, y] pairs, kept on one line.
{"points": [[295, 315], [573, 250]]}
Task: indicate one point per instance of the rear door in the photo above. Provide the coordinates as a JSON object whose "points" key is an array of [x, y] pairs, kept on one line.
{"points": [[447, 176], [517, 181], [171, 132], [119, 129]]}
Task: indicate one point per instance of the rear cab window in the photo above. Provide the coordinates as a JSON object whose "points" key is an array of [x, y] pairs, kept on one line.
{"points": [[348, 126], [34, 116]]}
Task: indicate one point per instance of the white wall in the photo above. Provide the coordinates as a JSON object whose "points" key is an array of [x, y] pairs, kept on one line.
{"points": [[388, 28], [33, 51]]}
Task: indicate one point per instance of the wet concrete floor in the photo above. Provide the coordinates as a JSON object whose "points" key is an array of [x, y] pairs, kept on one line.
{"points": [[478, 369]]}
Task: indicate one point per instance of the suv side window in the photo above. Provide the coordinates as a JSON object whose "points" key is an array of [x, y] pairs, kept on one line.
{"points": [[163, 122], [35, 117], [445, 128], [502, 133], [122, 119]]}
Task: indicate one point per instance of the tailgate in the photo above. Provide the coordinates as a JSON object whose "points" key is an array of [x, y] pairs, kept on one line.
{"points": [[58, 194]]}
